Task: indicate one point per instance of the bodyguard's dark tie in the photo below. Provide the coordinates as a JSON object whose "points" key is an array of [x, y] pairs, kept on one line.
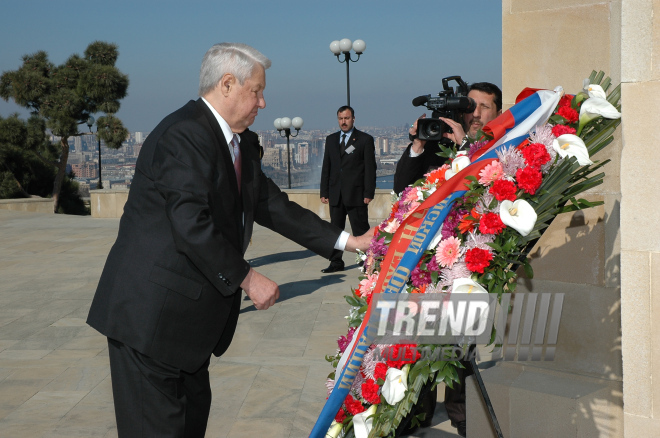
{"points": [[237, 160], [343, 143]]}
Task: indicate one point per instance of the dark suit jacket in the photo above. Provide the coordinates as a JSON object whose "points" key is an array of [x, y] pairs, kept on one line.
{"points": [[253, 139], [409, 169], [171, 285], [351, 175]]}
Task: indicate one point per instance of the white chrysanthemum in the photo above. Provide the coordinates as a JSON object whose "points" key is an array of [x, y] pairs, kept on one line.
{"points": [[370, 361], [542, 135], [329, 385], [480, 241], [484, 202], [448, 275]]}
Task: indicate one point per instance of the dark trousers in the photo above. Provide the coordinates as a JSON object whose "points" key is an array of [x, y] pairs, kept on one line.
{"points": [[455, 397], [153, 399], [359, 219]]}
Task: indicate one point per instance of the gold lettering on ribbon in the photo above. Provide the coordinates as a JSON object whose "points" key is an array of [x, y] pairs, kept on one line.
{"points": [[408, 232], [355, 361]]}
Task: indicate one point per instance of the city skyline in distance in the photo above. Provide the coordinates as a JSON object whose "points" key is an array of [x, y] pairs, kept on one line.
{"points": [[410, 48]]}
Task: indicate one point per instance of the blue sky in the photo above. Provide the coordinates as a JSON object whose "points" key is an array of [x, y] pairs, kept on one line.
{"points": [[411, 46]]}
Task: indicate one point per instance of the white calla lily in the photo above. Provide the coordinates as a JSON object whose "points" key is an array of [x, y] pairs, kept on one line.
{"points": [[459, 163], [519, 215], [469, 286], [334, 430], [396, 384], [595, 107], [362, 424], [599, 106], [596, 91], [569, 145]]}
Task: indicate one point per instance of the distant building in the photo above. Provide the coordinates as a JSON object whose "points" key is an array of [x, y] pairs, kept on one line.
{"points": [[383, 144], [85, 170], [302, 154], [272, 157]]}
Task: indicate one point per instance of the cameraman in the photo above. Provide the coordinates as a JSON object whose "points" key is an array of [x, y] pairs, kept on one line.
{"points": [[421, 155]]}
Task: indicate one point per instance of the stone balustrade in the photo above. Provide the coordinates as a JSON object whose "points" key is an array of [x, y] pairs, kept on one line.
{"points": [[110, 203], [32, 205]]}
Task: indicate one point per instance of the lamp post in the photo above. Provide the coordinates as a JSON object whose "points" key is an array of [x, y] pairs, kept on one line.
{"points": [[284, 124], [344, 46], [90, 123]]}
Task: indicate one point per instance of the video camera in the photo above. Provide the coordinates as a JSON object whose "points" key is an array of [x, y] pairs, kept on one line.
{"points": [[449, 104]]}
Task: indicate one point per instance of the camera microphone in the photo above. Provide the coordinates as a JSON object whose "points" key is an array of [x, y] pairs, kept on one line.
{"points": [[421, 100]]}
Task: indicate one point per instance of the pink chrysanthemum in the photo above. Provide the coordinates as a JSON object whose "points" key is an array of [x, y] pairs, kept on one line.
{"points": [[490, 173], [447, 252], [511, 160]]}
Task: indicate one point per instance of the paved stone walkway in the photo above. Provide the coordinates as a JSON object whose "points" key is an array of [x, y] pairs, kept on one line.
{"points": [[54, 372]]}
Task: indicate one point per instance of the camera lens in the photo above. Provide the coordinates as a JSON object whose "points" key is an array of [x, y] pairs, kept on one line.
{"points": [[433, 129]]}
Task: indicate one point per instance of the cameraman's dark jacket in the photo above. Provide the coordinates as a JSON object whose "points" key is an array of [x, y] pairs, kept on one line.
{"points": [[409, 169]]}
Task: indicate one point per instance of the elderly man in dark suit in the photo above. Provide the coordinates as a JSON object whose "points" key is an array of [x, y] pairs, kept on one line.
{"points": [[348, 179], [170, 292]]}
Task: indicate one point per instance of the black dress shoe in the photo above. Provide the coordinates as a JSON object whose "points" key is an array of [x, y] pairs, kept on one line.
{"points": [[461, 427], [332, 268]]}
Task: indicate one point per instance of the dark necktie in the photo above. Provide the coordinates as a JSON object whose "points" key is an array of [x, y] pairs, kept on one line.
{"points": [[237, 160], [343, 143]]}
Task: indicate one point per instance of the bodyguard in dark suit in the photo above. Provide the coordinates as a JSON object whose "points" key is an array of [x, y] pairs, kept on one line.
{"points": [[170, 292], [348, 178]]}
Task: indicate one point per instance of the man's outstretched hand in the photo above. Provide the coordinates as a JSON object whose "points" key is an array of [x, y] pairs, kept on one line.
{"points": [[360, 242]]}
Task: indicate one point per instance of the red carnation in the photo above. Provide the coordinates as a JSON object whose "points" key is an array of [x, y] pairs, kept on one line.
{"points": [[491, 224], [503, 189], [566, 100], [569, 114], [529, 179], [370, 392], [341, 415], [399, 355], [478, 259], [536, 155], [380, 371], [353, 406], [558, 130]]}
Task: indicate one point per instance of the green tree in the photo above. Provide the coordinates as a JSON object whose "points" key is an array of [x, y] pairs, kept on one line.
{"points": [[25, 164], [66, 95]]}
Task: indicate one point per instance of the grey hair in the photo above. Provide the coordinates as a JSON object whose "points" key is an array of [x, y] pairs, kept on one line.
{"points": [[235, 58]]}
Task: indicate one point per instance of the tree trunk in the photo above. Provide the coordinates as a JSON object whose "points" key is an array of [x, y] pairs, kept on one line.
{"points": [[61, 171]]}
